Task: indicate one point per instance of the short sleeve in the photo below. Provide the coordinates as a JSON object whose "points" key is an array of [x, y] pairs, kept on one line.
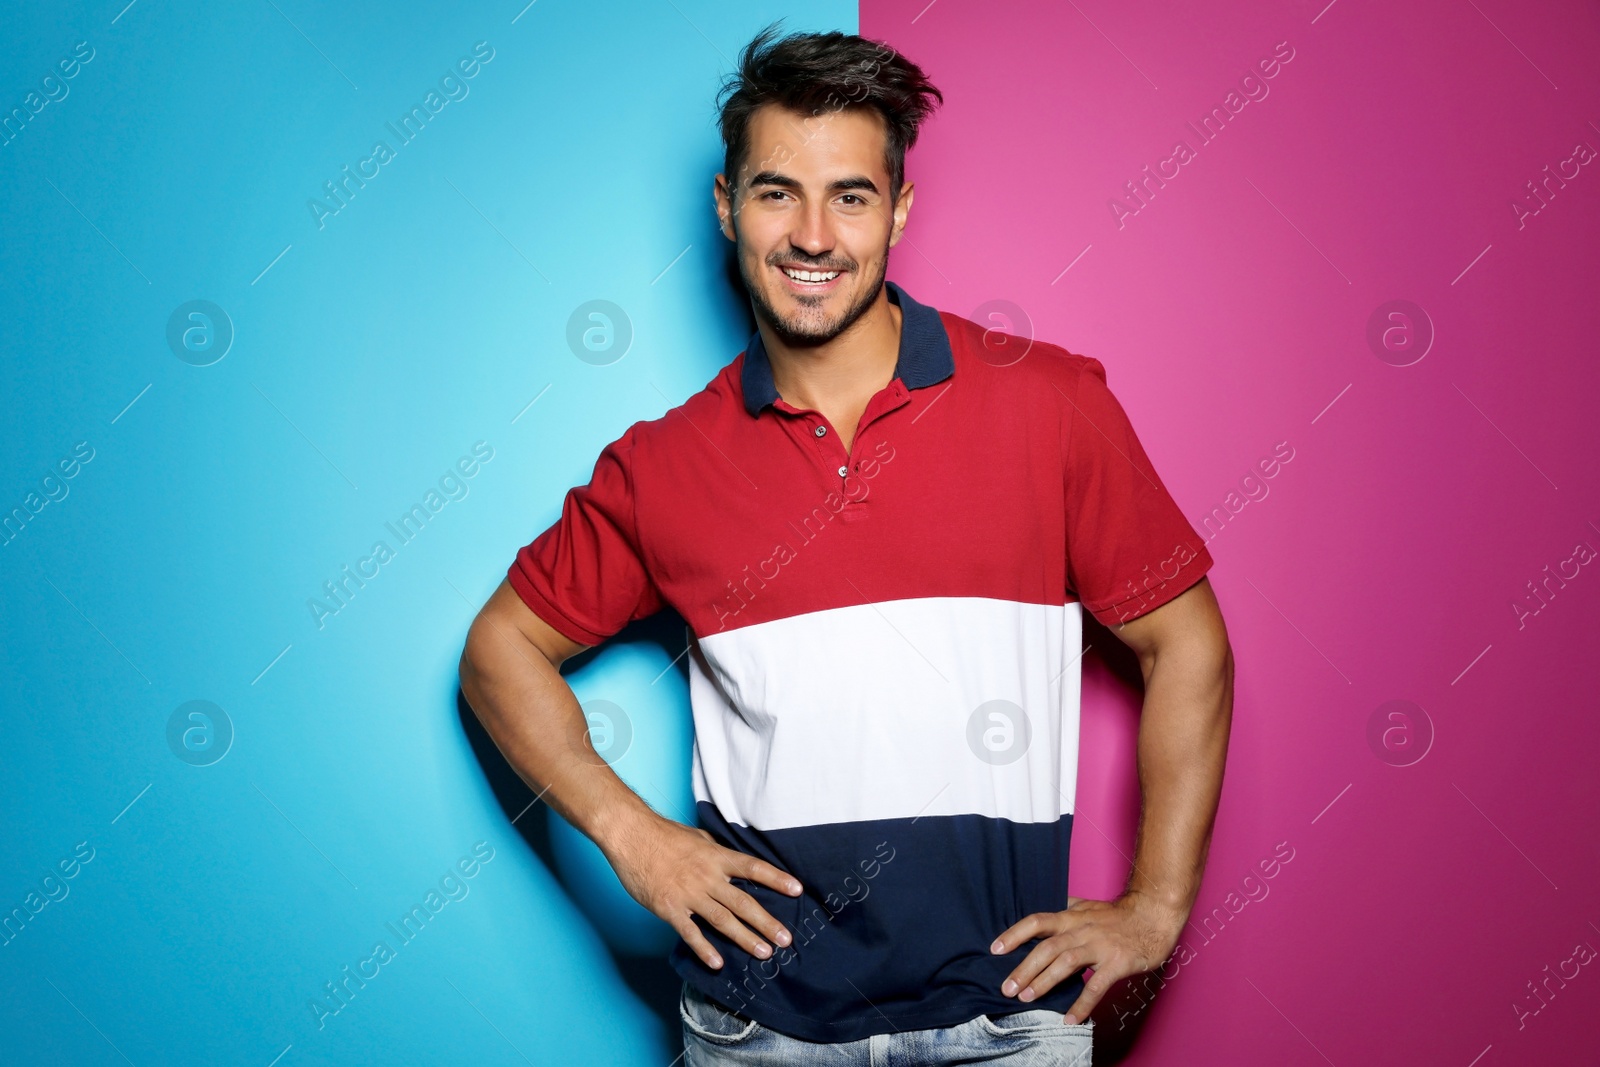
{"points": [[1129, 547], [586, 575]]}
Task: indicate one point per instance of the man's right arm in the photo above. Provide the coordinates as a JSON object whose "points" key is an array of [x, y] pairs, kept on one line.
{"points": [[511, 676]]}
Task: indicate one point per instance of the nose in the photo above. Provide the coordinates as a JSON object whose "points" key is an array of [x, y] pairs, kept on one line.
{"points": [[813, 230]]}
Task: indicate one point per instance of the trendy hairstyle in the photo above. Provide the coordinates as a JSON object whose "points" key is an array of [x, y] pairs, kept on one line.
{"points": [[819, 73]]}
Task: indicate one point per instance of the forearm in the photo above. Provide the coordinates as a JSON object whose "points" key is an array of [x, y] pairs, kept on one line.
{"points": [[1183, 744], [535, 720]]}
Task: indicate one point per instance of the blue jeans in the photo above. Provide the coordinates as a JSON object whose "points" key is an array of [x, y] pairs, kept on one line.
{"points": [[714, 1036]]}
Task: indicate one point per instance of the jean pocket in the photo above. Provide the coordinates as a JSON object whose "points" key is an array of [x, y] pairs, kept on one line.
{"points": [[713, 1022], [1037, 1022]]}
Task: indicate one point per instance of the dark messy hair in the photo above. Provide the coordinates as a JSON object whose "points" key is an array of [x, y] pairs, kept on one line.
{"points": [[818, 73]]}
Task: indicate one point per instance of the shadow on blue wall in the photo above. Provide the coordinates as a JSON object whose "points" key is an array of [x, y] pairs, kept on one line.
{"points": [[649, 976]]}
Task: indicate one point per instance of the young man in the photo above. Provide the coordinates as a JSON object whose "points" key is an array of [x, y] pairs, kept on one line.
{"points": [[882, 535]]}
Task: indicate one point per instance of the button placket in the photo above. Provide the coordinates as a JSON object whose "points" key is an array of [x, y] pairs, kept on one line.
{"points": [[826, 450], [888, 399]]}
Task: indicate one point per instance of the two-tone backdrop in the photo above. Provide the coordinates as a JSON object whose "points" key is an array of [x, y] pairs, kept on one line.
{"points": [[312, 315]]}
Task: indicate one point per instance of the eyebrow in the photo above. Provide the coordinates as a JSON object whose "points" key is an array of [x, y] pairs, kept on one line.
{"points": [[772, 177]]}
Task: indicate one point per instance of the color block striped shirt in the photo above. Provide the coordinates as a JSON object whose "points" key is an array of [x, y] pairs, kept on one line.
{"points": [[884, 668]]}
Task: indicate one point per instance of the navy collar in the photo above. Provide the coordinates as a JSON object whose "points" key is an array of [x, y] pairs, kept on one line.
{"points": [[925, 357]]}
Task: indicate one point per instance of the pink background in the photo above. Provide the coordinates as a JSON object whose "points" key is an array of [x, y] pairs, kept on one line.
{"points": [[1231, 313]]}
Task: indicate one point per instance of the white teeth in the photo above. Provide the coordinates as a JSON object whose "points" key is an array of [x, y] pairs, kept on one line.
{"points": [[811, 275]]}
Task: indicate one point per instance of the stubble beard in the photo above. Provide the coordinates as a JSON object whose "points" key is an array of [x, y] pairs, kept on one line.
{"points": [[800, 330]]}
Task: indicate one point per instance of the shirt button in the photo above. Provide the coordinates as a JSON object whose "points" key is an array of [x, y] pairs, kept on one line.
{"points": [[822, 431], [843, 471]]}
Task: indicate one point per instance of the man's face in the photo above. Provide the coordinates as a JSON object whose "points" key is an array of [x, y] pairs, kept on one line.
{"points": [[813, 199]]}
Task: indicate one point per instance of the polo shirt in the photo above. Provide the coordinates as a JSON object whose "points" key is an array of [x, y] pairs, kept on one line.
{"points": [[884, 665]]}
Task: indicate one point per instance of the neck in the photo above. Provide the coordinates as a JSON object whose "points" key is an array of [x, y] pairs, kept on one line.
{"points": [[840, 371]]}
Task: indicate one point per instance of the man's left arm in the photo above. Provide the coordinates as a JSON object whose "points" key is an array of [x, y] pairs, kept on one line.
{"points": [[1183, 742]]}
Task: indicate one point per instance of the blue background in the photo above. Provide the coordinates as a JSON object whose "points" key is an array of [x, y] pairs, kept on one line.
{"points": [[368, 357]]}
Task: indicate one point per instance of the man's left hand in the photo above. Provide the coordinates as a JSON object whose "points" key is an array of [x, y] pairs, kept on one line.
{"points": [[1117, 938]]}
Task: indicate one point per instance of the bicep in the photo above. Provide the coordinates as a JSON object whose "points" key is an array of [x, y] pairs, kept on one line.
{"points": [[507, 616], [1192, 620]]}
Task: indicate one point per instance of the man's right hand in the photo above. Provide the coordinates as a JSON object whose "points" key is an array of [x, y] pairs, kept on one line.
{"points": [[511, 676], [679, 872]]}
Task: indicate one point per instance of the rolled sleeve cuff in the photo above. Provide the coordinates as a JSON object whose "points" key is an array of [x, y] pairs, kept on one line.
{"points": [[1154, 591], [543, 607]]}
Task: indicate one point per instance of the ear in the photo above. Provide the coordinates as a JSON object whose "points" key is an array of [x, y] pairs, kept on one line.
{"points": [[724, 201], [902, 211]]}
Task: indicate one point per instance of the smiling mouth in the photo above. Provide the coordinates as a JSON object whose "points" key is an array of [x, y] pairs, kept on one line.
{"points": [[803, 278]]}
